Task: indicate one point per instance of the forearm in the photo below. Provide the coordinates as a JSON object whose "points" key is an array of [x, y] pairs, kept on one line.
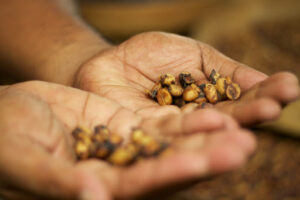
{"points": [[45, 40]]}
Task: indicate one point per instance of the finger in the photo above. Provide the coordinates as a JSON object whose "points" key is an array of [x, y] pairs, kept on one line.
{"points": [[197, 121], [242, 138], [42, 175], [240, 73], [123, 122], [148, 174], [207, 120], [158, 111], [282, 87], [188, 108], [252, 111], [228, 121], [263, 101], [217, 154]]}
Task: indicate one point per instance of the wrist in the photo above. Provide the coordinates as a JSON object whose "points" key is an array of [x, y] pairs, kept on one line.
{"points": [[62, 66]]}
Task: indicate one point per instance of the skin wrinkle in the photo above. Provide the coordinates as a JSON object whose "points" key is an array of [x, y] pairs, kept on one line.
{"points": [[174, 63], [69, 141], [113, 115], [122, 59], [144, 108], [85, 82], [219, 68], [131, 81], [59, 140], [204, 64], [5, 90], [30, 92], [99, 90], [137, 69], [162, 123], [167, 64], [93, 122], [50, 147], [125, 62], [81, 80], [209, 59], [230, 109], [88, 88], [85, 105], [255, 94], [77, 75], [50, 128], [51, 118], [105, 94], [201, 57], [140, 88], [88, 82], [58, 105], [34, 141], [235, 72], [182, 132]]}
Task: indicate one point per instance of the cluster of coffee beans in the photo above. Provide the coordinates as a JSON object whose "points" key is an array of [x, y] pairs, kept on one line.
{"points": [[185, 89], [102, 144]]}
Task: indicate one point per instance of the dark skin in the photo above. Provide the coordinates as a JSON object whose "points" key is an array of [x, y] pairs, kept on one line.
{"points": [[59, 47], [124, 72], [42, 143], [88, 60]]}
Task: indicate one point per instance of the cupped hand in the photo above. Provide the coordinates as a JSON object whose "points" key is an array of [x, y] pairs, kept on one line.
{"points": [[37, 159], [124, 72]]}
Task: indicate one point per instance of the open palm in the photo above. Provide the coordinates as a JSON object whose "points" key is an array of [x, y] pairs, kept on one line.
{"points": [[37, 158], [123, 73]]}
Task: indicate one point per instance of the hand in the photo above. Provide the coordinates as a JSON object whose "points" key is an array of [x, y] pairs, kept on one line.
{"points": [[37, 158], [124, 72]]}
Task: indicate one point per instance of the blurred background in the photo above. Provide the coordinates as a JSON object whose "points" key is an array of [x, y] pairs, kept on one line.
{"points": [[257, 32], [264, 34]]}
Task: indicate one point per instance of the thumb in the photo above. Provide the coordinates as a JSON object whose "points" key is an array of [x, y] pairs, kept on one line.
{"points": [[29, 168]]}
